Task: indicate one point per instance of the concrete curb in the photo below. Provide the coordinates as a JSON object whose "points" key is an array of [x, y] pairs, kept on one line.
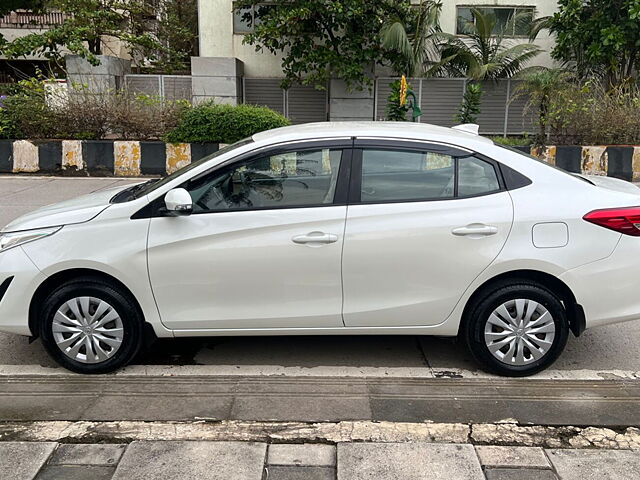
{"points": [[99, 157]]}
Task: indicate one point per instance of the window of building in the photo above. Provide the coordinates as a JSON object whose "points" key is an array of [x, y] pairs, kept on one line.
{"points": [[510, 21], [245, 19]]}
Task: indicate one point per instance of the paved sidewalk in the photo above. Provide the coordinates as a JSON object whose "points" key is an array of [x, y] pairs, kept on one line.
{"points": [[345, 461]]}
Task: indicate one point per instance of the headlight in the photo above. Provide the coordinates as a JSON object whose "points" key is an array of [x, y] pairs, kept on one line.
{"points": [[13, 239]]}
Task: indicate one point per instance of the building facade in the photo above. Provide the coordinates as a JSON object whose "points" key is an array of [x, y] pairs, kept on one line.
{"points": [[233, 72]]}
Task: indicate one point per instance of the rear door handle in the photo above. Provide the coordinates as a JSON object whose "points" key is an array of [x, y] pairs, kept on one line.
{"points": [[315, 239], [475, 230]]}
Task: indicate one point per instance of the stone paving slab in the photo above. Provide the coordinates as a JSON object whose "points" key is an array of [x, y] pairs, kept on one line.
{"points": [[300, 473], [75, 472], [519, 474], [596, 464], [192, 460], [87, 454], [305, 454], [21, 460], [497, 456], [407, 461]]}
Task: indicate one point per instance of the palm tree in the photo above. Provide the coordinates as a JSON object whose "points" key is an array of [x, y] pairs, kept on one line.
{"points": [[413, 40], [540, 86], [484, 53]]}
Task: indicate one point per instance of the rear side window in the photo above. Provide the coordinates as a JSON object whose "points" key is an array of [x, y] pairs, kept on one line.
{"points": [[476, 177], [409, 175], [406, 175]]}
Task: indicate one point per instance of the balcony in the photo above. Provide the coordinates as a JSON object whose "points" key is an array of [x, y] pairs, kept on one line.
{"points": [[28, 19]]}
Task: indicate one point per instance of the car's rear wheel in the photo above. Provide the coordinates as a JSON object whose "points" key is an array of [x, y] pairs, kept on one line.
{"points": [[90, 326], [516, 330]]}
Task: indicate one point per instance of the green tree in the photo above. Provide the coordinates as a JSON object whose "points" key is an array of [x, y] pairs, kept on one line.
{"points": [[600, 37], [177, 31], [412, 39], [323, 39], [87, 23], [540, 86], [470, 106], [485, 53]]}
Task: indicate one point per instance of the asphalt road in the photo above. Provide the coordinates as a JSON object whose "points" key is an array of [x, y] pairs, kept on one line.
{"points": [[613, 347]]}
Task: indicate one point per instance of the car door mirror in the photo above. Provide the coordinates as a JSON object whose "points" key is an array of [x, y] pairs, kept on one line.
{"points": [[178, 202]]}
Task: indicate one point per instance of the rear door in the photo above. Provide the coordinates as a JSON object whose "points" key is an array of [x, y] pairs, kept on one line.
{"points": [[423, 222]]}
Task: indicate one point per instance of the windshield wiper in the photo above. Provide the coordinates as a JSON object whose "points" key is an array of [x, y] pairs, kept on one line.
{"points": [[132, 192]]}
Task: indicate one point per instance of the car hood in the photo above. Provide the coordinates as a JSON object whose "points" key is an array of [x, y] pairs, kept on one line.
{"points": [[611, 183], [77, 210]]}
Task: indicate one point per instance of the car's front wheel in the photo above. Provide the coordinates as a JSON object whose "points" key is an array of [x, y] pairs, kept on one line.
{"points": [[89, 325], [516, 330]]}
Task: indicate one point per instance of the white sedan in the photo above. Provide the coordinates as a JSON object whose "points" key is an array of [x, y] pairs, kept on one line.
{"points": [[331, 228]]}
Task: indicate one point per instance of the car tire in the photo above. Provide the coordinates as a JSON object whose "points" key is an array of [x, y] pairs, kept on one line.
{"points": [[525, 342], [100, 316]]}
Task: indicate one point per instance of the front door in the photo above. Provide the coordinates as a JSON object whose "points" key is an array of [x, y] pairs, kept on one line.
{"points": [[423, 223], [262, 248]]}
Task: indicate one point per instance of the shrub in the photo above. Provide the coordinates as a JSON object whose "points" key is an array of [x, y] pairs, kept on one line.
{"points": [[513, 141], [30, 112], [589, 114], [209, 122], [470, 106]]}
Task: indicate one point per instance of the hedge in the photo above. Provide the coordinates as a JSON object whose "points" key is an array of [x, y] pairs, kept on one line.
{"points": [[209, 122]]}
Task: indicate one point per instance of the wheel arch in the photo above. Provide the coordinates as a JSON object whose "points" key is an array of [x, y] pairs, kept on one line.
{"points": [[575, 312], [58, 278]]}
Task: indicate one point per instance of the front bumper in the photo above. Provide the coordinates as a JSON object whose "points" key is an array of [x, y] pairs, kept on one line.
{"points": [[14, 306], [609, 289]]}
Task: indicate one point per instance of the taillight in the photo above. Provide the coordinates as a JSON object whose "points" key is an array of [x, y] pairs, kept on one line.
{"points": [[623, 220]]}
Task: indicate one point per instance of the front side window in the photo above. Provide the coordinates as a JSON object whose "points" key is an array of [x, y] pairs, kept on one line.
{"points": [[407, 175], [509, 21], [292, 179]]}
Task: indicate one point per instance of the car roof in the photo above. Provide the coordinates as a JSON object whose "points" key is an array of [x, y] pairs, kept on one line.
{"points": [[399, 130]]}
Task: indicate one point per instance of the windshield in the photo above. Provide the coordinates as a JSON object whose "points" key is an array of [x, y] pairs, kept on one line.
{"points": [[141, 189]]}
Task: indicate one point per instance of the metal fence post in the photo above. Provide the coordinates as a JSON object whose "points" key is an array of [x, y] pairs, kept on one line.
{"points": [[506, 108]]}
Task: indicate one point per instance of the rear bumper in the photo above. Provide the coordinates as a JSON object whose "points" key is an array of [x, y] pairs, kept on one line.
{"points": [[609, 289], [14, 305]]}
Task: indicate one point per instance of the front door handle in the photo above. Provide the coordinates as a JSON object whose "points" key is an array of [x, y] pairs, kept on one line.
{"points": [[476, 230], [315, 239]]}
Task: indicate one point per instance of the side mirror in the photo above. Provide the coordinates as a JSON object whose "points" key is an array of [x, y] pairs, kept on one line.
{"points": [[178, 202]]}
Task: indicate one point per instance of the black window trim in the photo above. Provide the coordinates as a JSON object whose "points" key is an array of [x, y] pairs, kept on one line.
{"points": [[155, 207], [355, 188], [350, 173]]}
